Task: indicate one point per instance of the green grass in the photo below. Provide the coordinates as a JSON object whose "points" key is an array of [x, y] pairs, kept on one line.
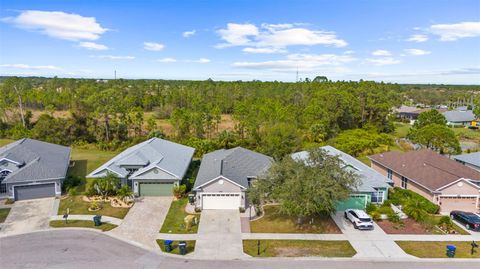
{"points": [[176, 250], [3, 214], [79, 207], [174, 221], [275, 222], [437, 249], [88, 160], [401, 129], [298, 248], [81, 223], [436, 219], [3, 142]]}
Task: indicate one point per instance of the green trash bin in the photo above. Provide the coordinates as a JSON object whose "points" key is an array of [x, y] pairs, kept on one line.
{"points": [[182, 246], [97, 220], [168, 245], [451, 251]]}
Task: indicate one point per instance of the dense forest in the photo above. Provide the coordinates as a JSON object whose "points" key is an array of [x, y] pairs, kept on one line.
{"points": [[275, 118]]}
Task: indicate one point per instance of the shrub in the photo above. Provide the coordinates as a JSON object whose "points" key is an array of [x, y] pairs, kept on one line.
{"points": [[71, 181], [386, 203], [179, 191], [9, 201], [105, 186], [241, 209], [414, 210], [400, 196], [385, 210], [370, 208], [72, 191], [393, 217], [124, 193], [446, 223], [375, 215]]}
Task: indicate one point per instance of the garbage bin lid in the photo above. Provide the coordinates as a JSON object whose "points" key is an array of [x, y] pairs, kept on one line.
{"points": [[182, 243], [449, 247], [168, 242]]}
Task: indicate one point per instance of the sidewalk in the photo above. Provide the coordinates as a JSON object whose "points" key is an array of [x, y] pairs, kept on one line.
{"points": [[106, 219]]}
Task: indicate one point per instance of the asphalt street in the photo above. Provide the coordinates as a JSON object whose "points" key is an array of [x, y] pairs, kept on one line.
{"points": [[88, 249]]}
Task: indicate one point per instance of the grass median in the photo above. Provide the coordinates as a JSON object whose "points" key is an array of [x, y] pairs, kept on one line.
{"points": [[81, 224], [298, 248]]}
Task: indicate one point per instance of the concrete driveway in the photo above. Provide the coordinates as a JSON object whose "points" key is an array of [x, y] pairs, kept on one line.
{"points": [[366, 243], [28, 216], [219, 236], [144, 220]]}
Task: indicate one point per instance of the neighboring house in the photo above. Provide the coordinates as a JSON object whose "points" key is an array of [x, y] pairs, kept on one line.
{"points": [[441, 180], [408, 112], [151, 168], [460, 118], [471, 160], [373, 187], [31, 169], [225, 175]]}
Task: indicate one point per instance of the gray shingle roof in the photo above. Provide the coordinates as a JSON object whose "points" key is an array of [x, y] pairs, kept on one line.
{"points": [[237, 164], [471, 158], [370, 178], [40, 160], [459, 116], [155, 152]]}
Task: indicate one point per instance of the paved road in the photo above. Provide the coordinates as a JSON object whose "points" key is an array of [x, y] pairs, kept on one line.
{"points": [[89, 249]]}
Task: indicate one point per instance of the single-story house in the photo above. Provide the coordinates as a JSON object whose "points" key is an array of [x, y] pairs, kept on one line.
{"points": [[441, 180], [225, 175], [460, 118], [471, 160], [150, 168], [31, 169], [373, 186]]}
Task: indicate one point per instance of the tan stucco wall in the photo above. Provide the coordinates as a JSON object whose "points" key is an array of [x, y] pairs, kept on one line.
{"points": [[465, 189]]}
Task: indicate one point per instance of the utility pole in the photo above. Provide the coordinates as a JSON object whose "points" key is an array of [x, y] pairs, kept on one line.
{"points": [[296, 79]]}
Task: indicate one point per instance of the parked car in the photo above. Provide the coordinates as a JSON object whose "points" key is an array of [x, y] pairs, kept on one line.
{"points": [[469, 219], [359, 218]]}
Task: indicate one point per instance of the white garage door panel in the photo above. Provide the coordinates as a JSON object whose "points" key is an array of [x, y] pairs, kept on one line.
{"points": [[221, 201], [459, 203]]}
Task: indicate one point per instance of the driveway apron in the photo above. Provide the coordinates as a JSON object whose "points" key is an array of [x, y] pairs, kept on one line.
{"points": [[219, 235], [367, 243], [28, 216], [144, 220]]}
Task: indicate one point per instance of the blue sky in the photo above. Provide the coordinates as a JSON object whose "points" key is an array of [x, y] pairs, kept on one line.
{"points": [[394, 41]]}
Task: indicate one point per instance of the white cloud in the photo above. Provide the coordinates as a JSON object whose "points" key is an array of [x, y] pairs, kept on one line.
{"points": [[417, 52], [113, 57], [31, 67], [237, 34], [381, 53], [202, 61], [304, 62], [349, 52], [153, 46], [58, 24], [263, 50], [418, 38], [92, 46], [269, 38], [167, 60], [382, 61], [189, 33], [452, 32]]}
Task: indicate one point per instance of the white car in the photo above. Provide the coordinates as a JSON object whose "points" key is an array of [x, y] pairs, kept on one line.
{"points": [[359, 218]]}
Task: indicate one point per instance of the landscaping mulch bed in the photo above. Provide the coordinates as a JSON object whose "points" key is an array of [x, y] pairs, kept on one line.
{"points": [[409, 226]]}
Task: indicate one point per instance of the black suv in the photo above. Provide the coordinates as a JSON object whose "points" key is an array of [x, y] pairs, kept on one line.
{"points": [[470, 220]]}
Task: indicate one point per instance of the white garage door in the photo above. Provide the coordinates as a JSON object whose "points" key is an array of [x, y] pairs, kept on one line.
{"points": [[221, 201], [458, 203]]}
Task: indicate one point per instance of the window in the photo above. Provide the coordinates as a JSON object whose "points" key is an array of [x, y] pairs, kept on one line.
{"points": [[377, 197], [3, 175], [404, 182], [389, 174]]}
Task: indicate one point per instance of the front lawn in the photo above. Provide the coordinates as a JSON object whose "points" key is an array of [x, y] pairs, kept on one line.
{"points": [[3, 214], [298, 248], [275, 222], [176, 249], [437, 249], [81, 223], [79, 207], [174, 221]]}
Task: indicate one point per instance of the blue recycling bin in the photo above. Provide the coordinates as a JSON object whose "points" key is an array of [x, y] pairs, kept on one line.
{"points": [[168, 245], [451, 251]]}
